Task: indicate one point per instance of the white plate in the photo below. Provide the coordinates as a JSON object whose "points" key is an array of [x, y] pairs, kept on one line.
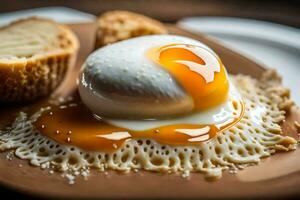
{"points": [[273, 45]]}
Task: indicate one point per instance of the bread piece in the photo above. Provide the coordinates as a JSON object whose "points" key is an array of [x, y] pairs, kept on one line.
{"points": [[35, 55], [114, 26]]}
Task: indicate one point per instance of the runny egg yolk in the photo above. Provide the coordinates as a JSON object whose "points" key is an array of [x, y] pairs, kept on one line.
{"points": [[76, 125], [197, 70]]}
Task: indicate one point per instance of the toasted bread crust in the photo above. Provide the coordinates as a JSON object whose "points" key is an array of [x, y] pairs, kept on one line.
{"points": [[114, 26], [37, 75]]}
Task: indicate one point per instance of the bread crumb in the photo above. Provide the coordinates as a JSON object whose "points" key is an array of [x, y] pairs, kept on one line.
{"points": [[63, 107], [85, 174], [9, 155], [72, 104], [45, 165], [185, 174], [71, 178]]}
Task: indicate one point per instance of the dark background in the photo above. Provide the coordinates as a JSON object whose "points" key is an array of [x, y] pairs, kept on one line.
{"points": [[279, 11]]}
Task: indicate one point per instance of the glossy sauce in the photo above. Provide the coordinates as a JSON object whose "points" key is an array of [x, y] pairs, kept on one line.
{"points": [[73, 124]]}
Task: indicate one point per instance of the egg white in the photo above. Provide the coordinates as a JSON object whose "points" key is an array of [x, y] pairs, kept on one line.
{"points": [[119, 80], [216, 115]]}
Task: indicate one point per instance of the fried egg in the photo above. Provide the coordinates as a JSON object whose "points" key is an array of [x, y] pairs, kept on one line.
{"points": [[169, 88]]}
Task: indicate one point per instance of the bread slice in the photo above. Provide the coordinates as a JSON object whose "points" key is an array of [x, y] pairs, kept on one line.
{"points": [[35, 55], [114, 26]]}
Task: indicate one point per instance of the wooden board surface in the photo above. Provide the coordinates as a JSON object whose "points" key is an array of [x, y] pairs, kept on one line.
{"points": [[276, 176]]}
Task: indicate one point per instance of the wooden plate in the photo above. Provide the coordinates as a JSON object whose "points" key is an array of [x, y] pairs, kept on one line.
{"points": [[276, 176]]}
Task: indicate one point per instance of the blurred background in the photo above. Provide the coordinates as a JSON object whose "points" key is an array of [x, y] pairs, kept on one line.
{"points": [[280, 11]]}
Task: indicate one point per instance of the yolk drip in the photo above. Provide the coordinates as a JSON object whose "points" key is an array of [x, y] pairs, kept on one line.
{"points": [[76, 126], [198, 71]]}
